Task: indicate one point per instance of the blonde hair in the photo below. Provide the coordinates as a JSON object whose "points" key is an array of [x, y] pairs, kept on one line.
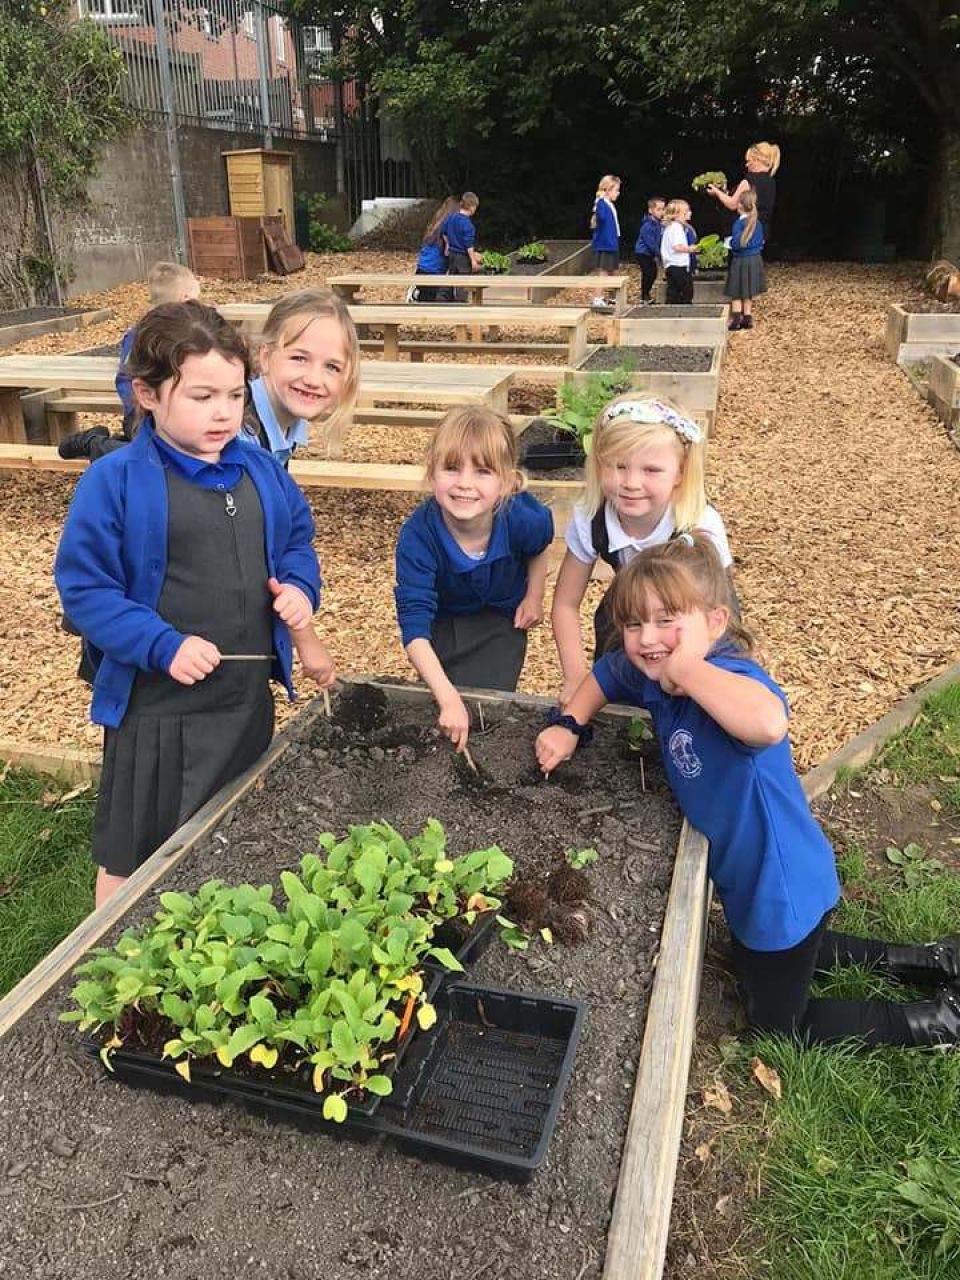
{"points": [[290, 317], [485, 437], [167, 280], [684, 574], [606, 183], [674, 210], [747, 204], [768, 153], [614, 437]]}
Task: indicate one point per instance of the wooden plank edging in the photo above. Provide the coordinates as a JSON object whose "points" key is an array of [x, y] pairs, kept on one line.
{"points": [[640, 1222], [73, 763]]}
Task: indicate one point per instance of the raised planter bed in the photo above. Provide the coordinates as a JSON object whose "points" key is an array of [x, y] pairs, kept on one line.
{"points": [[195, 1177], [915, 331], [567, 258], [943, 392], [696, 326], [34, 322], [688, 375]]}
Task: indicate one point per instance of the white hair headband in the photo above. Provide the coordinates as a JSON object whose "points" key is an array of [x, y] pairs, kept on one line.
{"points": [[653, 413]]}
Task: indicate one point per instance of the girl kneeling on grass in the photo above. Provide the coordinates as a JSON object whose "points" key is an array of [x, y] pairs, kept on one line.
{"points": [[644, 480], [722, 727], [471, 565], [184, 560]]}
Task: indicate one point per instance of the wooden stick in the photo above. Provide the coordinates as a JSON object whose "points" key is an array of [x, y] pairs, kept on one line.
{"points": [[246, 657], [470, 760], [327, 711]]}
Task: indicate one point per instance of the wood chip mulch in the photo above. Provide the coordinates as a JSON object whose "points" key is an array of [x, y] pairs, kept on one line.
{"points": [[838, 485]]}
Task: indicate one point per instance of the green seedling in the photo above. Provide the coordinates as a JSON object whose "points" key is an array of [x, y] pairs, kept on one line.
{"points": [[534, 252], [494, 263], [331, 980], [915, 867], [578, 406], [712, 253], [580, 858], [712, 178], [639, 733]]}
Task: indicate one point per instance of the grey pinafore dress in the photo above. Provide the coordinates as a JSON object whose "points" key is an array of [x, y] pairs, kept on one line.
{"points": [[178, 744]]}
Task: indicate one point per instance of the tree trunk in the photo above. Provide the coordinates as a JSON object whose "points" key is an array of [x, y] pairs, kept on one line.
{"points": [[18, 233], [947, 244]]}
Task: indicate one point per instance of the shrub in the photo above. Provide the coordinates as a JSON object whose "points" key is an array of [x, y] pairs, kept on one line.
{"points": [[324, 238]]}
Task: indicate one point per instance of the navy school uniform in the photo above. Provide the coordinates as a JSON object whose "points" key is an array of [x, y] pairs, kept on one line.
{"points": [[647, 251], [605, 237], [190, 556], [260, 421], [746, 277], [465, 605], [461, 236], [772, 866]]}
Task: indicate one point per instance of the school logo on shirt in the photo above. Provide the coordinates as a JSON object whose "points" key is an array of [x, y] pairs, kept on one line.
{"points": [[683, 755]]}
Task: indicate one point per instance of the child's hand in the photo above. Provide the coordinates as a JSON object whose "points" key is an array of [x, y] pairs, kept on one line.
{"points": [[290, 604], [315, 658], [693, 645], [553, 746], [194, 660], [529, 612], [454, 721]]}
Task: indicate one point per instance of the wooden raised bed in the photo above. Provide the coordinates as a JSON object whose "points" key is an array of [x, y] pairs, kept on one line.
{"points": [[696, 392], [412, 1204], [705, 291], [915, 335], [943, 392], [34, 322], [696, 326], [569, 262]]}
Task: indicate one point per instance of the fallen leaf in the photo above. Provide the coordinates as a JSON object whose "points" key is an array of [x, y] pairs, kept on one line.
{"points": [[8, 884], [44, 835], [767, 1077], [865, 686], [723, 1205], [704, 1152], [49, 799], [77, 791], [718, 1097]]}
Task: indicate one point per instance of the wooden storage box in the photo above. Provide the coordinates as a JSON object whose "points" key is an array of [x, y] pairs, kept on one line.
{"points": [[230, 248], [260, 184]]}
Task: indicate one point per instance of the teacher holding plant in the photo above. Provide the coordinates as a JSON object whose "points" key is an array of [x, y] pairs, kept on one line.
{"points": [[762, 162]]}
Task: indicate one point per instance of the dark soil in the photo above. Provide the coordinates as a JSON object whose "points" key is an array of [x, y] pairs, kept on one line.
{"points": [[30, 315], [652, 359], [558, 250], [928, 306], [544, 438], [703, 311], [103, 1180]]}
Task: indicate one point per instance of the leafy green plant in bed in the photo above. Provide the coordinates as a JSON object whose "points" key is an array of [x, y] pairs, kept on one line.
{"points": [[326, 985], [712, 254], [578, 404], [534, 252], [712, 178], [494, 263]]}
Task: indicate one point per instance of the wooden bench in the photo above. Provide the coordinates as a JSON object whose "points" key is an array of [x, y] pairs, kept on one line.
{"points": [[476, 286], [249, 318], [72, 384]]}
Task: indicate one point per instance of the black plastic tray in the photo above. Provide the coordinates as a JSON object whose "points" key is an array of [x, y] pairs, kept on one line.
{"points": [[468, 947]]}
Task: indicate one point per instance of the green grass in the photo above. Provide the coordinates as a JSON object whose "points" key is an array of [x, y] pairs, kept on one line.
{"points": [[46, 874], [929, 750]]}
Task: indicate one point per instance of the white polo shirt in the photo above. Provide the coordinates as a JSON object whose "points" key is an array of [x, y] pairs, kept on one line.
{"points": [[674, 236], [624, 548]]}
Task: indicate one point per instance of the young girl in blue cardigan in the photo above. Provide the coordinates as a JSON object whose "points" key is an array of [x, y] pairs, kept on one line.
{"points": [[186, 563], [605, 233], [721, 723]]}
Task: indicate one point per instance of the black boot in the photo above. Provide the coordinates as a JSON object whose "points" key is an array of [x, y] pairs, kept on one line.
{"points": [[79, 445], [935, 1022], [931, 966]]}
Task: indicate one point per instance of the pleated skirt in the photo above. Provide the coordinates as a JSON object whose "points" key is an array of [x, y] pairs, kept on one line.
{"points": [[746, 277], [480, 650]]}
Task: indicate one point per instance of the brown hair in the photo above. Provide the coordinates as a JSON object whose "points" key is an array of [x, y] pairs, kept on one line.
{"points": [[168, 334], [747, 204], [476, 432], [289, 318], [450, 205], [469, 200], [684, 573], [167, 280], [654, 200]]}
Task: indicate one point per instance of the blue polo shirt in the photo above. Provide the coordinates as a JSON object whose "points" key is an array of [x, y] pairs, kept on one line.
{"points": [[282, 443], [430, 259], [772, 866], [435, 575], [460, 232]]}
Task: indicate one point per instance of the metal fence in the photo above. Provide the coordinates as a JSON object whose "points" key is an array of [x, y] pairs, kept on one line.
{"points": [[229, 64]]}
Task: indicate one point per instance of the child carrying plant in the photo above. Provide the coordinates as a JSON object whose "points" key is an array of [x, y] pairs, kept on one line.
{"points": [[677, 251], [647, 248], [186, 562], [745, 273], [644, 478], [605, 234], [461, 237], [167, 282], [721, 722], [471, 565], [432, 258]]}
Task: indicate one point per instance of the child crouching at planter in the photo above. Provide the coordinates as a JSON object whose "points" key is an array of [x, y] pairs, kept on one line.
{"points": [[471, 565], [644, 478], [745, 274], [721, 722], [186, 561]]}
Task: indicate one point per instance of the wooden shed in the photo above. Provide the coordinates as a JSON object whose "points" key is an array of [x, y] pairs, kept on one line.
{"points": [[260, 184]]}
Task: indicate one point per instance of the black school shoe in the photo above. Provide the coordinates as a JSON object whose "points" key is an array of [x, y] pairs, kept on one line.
{"points": [[746, 322], [934, 965], [935, 1023], [736, 322], [80, 444]]}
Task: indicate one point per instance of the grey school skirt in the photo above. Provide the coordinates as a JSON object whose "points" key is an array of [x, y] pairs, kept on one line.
{"points": [[746, 277], [480, 650]]}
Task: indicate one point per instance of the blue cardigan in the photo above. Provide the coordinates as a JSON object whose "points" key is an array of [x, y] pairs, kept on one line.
{"points": [[606, 235], [436, 576], [112, 561], [753, 246], [648, 241]]}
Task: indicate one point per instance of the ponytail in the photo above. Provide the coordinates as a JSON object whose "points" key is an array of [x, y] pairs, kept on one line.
{"points": [[747, 204]]}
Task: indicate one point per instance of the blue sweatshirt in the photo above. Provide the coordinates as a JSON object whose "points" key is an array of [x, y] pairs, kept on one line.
{"points": [[112, 561], [648, 241], [430, 259], [460, 232], [435, 576], [753, 246], [606, 234], [772, 866]]}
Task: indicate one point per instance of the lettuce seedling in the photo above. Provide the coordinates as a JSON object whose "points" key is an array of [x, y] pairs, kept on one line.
{"points": [[534, 252], [494, 263], [712, 178]]}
